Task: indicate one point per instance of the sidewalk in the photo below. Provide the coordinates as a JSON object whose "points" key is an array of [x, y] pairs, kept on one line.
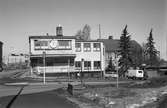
{"points": [[32, 87], [35, 87]]}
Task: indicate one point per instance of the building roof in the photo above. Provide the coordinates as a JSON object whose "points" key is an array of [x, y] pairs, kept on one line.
{"points": [[52, 37], [112, 45], [87, 40]]}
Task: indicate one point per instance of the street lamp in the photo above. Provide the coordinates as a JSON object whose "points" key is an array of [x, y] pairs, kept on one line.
{"points": [[68, 70], [82, 67]]}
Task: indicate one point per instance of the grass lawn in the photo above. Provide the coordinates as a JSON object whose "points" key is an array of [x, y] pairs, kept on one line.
{"points": [[146, 94]]}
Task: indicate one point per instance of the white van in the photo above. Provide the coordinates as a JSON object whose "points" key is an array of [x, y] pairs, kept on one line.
{"points": [[135, 74]]}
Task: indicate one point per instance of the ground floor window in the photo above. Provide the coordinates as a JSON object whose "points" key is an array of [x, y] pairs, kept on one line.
{"points": [[52, 61], [87, 65], [97, 65], [78, 65]]}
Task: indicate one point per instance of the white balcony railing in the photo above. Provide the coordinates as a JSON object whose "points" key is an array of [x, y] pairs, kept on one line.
{"points": [[54, 69], [61, 69]]}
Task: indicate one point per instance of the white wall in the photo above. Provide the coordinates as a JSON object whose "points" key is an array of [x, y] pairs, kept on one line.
{"points": [[87, 56], [52, 50], [92, 55]]}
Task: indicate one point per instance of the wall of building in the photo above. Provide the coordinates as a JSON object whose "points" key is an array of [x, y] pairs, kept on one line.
{"points": [[49, 49], [91, 55], [94, 54]]}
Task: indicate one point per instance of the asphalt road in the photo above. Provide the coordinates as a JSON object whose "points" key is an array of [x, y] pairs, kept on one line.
{"points": [[30, 97], [48, 99]]}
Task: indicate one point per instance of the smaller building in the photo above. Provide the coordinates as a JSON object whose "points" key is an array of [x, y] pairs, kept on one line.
{"points": [[112, 48], [14, 58]]}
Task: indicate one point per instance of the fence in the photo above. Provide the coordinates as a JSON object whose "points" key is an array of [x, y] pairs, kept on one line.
{"points": [[54, 69]]}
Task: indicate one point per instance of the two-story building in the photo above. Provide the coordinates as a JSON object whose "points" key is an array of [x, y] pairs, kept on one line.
{"points": [[64, 54], [92, 54]]}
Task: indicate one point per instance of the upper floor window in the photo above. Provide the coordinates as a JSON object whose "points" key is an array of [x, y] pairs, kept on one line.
{"points": [[78, 47], [64, 44], [42, 44], [96, 46], [37, 43], [87, 47]]}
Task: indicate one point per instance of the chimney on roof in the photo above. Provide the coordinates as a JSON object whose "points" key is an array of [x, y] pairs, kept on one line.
{"points": [[110, 37], [59, 30], [47, 34]]}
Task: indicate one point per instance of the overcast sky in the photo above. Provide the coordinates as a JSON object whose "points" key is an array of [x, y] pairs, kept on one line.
{"points": [[21, 18]]}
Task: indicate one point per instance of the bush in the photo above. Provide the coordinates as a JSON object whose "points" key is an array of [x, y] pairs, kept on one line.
{"points": [[158, 81], [152, 83]]}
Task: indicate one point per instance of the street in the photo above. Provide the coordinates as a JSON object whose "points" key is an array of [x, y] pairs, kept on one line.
{"points": [[34, 95], [38, 100]]}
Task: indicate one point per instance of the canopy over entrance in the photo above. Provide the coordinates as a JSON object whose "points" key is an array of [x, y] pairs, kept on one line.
{"points": [[52, 60]]}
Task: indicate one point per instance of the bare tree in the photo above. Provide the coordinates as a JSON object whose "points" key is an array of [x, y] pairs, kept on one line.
{"points": [[79, 35], [84, 34]]}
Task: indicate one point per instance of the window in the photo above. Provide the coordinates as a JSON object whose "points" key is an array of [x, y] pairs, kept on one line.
{"points": [[78, 65], [87, 65], [44, 43], [40, 44], [96, 46], [87, 47], [64, 44], [37, 43], [97, 65], [140, 71], [78, 47]]}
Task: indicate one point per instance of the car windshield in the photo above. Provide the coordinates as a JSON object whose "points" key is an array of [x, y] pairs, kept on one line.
{"points": [[140, 71]]}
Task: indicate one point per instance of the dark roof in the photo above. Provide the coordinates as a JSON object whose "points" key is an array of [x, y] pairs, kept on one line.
{"points": [[113, 44], [110, 44], [52, 37], [136, 45], [87, 40]]}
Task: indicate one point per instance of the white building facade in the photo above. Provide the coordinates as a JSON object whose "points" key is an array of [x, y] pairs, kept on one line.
{"points": [[57, 51], [65, 54], [91, 53]]}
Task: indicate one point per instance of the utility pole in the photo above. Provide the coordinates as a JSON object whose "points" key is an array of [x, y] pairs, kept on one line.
{"points": [[100, 51], [44, 66], [99, 31], [116, 60]]}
